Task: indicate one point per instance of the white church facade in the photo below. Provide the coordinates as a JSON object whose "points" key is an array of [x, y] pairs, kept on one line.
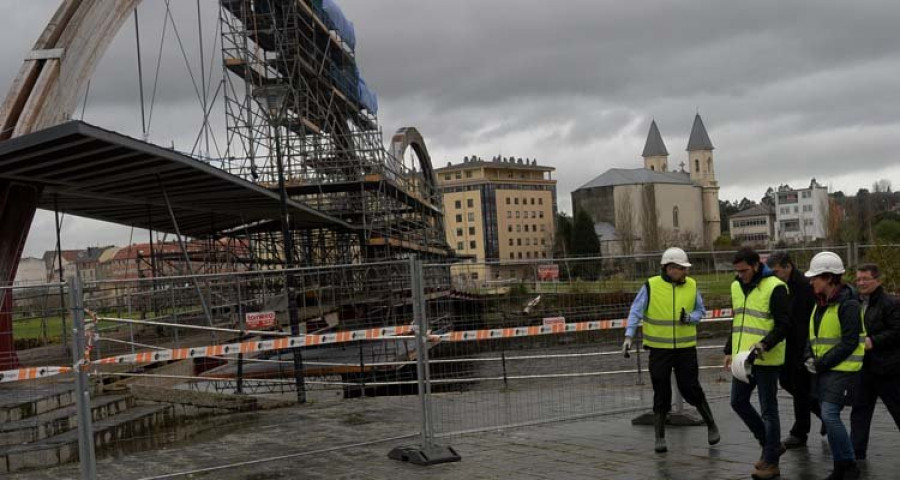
{"points": [[648, 209]]}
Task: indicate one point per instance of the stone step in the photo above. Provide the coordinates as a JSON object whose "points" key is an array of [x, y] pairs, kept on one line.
{"points": [[61, 420], [139, 421], [20, 403]]}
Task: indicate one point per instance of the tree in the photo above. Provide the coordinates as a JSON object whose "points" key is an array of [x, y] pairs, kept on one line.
{"points": [[626, 223], [882, 186], [584, 238], [562, 242], [648, 218], [888, 231]]}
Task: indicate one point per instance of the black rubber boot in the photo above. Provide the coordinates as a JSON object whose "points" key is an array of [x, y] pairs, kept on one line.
{"points": [[713, 431], [659, 427]]}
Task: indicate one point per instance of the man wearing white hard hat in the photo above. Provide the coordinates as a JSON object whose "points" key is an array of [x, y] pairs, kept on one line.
{"points": [[835, 355], [761, 309], [670, 307]]}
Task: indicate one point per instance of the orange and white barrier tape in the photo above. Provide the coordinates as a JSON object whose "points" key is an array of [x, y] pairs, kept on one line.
{"points": [[258, 346], [31, 373]]}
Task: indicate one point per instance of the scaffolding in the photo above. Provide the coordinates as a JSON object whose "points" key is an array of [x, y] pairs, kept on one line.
{"points": [[294, 98]]}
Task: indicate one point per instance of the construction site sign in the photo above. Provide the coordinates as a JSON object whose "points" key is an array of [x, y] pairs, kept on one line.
{"points": [[259, 320], [548, 272]]}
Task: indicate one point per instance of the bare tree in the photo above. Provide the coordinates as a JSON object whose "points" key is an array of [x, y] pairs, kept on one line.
{"points": [[649, 223], [882, 186], [626, 224]]}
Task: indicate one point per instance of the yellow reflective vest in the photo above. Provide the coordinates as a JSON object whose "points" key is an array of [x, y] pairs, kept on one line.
{"points": [[661, 324], [753, 320], [829, 335]]}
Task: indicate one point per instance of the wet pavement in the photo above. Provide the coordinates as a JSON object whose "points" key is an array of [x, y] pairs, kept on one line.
{"points": [[345, 440]]}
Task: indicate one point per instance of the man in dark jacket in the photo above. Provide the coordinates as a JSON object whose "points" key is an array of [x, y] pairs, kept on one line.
{"points": [[761, 321], [794, 377], [881, 366]]}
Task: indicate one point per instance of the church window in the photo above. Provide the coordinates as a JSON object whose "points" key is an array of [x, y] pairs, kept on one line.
{"points": [[697, 165], [709, 166], [675, 217]]}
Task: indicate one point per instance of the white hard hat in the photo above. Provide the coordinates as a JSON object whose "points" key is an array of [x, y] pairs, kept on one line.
{"points": [[825, 262], [741, 366], [675, 255]]}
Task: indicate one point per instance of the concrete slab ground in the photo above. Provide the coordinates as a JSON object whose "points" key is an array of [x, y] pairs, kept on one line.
{"points": [[316, 442]]}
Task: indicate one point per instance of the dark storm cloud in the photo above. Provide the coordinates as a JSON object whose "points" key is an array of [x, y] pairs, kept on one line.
{"points": [[788, 90]]}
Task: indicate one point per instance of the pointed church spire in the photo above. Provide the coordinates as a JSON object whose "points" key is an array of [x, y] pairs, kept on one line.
{"points": [[699, 138], [654, 147]]}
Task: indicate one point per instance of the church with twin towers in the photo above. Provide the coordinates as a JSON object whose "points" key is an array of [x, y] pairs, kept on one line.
{"points": [[648, 209]]}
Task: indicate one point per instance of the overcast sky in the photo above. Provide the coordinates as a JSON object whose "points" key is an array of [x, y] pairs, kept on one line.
{"points": [[788, 90]]}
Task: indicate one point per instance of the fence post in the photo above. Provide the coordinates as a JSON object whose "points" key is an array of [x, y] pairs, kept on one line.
{"points": [[80, 363], [427, 453]]}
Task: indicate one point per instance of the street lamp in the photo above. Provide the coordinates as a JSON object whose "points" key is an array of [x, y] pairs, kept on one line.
{"points": [[273, 100]]}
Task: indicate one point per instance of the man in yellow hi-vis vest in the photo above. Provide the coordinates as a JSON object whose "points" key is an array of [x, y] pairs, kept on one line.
{"points": [[670, 307], [761, 321], [835, 357]]}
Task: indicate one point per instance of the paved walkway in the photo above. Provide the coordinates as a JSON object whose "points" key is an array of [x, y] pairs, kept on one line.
{"points": [[608, 447]]}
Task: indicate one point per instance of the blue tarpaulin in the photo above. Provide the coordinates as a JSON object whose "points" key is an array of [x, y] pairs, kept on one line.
{"points": [[335, 19], [367, 97]]}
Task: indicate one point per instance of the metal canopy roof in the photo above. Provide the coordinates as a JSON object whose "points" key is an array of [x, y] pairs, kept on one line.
{"points": [[91, 172]]}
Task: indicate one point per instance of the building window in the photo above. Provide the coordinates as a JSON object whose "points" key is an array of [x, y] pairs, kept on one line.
{"points": [[470, 203], [508, 201], [472, 244], [457, 204], [526, 227], [509, 214], [527, 242], [446, 176], [796, 210], [527, 254], [540, 201], [675, 217], [541, 214], [520, 255], [532, 201], [709, 166], [468, 174], [511, 242], [543, 241], [519, 242], [459, 246], [471, 216], [517, 200], [544, 254], [518, 214], [509, 228], [518, 228], [543, 227], [512, 256], [458, 175], [533, 228], [471, 230], [458, 232], [697, 165], [474, 275], [458, 218]]}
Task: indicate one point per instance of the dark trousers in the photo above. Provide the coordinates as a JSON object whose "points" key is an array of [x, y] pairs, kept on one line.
{"points": [[683, 361], [766, 427], [871, 387], [798, 382]]}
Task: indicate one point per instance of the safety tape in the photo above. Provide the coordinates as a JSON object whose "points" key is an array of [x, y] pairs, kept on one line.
{"points": [[258, 346], [31, 373]]}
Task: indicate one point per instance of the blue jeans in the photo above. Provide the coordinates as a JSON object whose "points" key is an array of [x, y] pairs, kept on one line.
{"points": [[838, 439], [767, 427]]}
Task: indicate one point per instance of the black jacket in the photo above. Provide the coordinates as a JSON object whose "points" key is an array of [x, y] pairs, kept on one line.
{"points": [[802, 300], [882, 319], [779, 306]]}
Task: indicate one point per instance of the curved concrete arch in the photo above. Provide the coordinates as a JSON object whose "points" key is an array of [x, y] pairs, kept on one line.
{"points": [[57, 69], [410, 137]]}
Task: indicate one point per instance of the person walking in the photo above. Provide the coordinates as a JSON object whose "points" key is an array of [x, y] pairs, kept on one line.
{"points": [[761, 321], [793, 376], [880, 375], [835, 354], [670, 307]]}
